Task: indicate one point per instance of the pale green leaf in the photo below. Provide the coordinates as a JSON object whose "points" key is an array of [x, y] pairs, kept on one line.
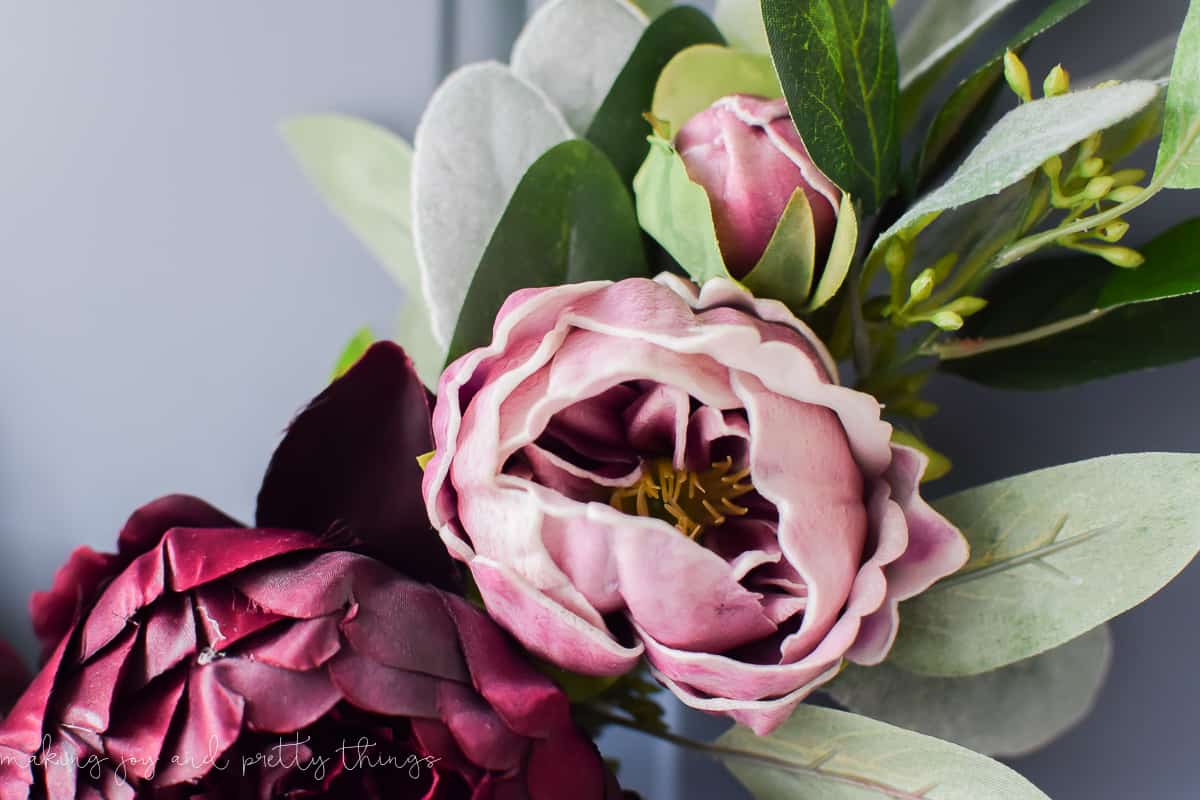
{"points": [[1183, 107], [841, 255], [358, 345], [699, 76], [742, 23], [1022, 141], [1054, 553], [939, 465], [1008, 712], [677, 213], [832, 755], [573, 50], [653, 8], [364, 173], [837, 64], [788, 266], [483, 128]]}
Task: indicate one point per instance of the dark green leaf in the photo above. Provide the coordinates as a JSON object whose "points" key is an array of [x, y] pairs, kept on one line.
{"points": [[837, 63], [946, 137], [1097, 320], [618, 127], [571, 219]]}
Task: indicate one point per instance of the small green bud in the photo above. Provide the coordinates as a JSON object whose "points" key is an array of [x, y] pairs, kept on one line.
{"points": [[966, 306], [1124, 194], [1113, 232], [943, 266], [1017, 76], [1122, 257], [947, 320], [922, 286], [1090, 146], [1098, 188], [1091, 167], [1057, 82], [1053, 167], [1128, 177], [896, 258]]}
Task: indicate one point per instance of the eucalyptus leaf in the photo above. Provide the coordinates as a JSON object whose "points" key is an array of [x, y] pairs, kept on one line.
{"points": [[618, 127], [1009, 712], [832, 755], [573, 50], [481, 131], [364, 173], [837, 64], [742, 23], [938, 33], [1022, 141], [654, 8], [699, 76], [1053, 323], [1054, 553], [962, 109], [677, 213], [1183, 107], [570, 220]]}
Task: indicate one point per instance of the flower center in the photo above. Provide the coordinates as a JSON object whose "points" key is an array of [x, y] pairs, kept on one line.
{"points": [[691, 501]]}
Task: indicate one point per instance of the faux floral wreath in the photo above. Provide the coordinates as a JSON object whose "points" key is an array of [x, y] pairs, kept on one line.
{"points": [[675, 288]]}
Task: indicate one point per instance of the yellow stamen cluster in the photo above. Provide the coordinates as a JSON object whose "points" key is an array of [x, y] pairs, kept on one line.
{"points": [[691, 501]]}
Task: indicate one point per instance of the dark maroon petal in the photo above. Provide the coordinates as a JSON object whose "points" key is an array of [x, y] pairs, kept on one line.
{"points": [[348, 465], [147, 526], [14, 677], [566, 766], [142, 582], [405, 625], [22, 728], [16, 774], [140, 727], [303, 645], [75, 587], [373, 687], [479, 732], [88, 695], [200, 555], [225, 617], [211, 723], [312, 588], [277, 700], [168, 638], [525, 699]]}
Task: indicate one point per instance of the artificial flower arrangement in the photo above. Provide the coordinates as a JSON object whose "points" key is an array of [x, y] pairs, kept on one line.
{"points": [[674, 292]]}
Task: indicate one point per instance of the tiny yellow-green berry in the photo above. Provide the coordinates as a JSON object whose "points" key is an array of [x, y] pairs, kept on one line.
{"points": [[1122, 257], [1124, 194], [1017, 76], [947, 320], [1057, 82], [922, 286]]}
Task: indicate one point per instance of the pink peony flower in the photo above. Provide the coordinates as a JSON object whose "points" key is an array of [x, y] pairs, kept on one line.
{"points": [[641, 466], [205, 659], [748, 156]]}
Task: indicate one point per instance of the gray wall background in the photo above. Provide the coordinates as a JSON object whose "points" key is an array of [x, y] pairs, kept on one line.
{"points": [[171, 292]]}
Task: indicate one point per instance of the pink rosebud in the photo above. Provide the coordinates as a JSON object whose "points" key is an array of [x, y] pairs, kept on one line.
{"points": [[299, 658], [748, 156], [645, 467]]}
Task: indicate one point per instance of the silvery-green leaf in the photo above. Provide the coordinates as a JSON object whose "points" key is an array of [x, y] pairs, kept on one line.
{"points": [[1028, 135], [653, 8], [841, 255], [936, 36], [482, 129], [832, 755], [573, 50], [742, 23], [1054, 553], [1008, 712], [788, 266], [1151, 63], [677, 213], [700, 75], [1183, 108], [364, 173]]}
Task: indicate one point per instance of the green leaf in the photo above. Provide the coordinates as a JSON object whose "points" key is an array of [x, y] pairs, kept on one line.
{"points": [[939, 465], [742, 23], [1054, 553], [957, 113], [832, 755], [363, 172], [1060, 322], [677, 213], [1183, 106], [359, 343], [653, 8], [573, 50], [841, 255], [934, 39], [569, 220], [789, 264], [837, 64], [1020, 142], [619, 128], [699, 76], [1008, 712]]}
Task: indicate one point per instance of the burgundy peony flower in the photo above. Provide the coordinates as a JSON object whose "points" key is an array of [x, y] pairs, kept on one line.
{"points": [[750, 159], [643, 466], [14, 676], [296, 659]]}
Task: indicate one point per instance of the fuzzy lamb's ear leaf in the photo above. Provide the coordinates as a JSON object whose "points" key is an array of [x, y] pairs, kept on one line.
{"points": [[482, 130], [1054, 553], [1008, 712], [1183, 108], [742, 23], [364, 173], [573, 50], [833, 755]]}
